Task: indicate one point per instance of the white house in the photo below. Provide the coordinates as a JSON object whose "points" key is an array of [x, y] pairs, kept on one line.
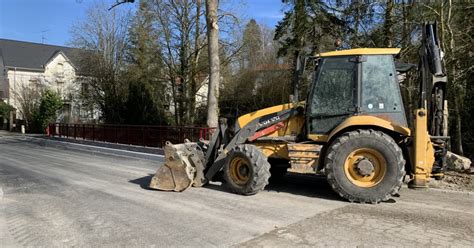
{"points": [[200, 96], [26, 68]]}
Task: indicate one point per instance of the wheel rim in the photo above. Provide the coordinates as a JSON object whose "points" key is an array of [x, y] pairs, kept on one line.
{"points": [[239, 170], [365, 167]]}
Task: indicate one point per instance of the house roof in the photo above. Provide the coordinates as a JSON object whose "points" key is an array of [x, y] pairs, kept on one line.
{"points": [[34, 56], [362, 51]]}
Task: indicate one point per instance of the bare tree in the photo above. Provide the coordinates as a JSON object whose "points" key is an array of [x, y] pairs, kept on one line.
{"points": [[181, 27], [28, 96], [214, 64], [104, 35]]}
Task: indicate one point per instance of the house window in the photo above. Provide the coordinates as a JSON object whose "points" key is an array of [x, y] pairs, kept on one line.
{"points": [[36, 84], [86, 112], [60, 87], [60, 70], [85, 91]]}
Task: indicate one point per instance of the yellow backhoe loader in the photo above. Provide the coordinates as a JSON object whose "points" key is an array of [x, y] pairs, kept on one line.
{"points": [[352, 127]]}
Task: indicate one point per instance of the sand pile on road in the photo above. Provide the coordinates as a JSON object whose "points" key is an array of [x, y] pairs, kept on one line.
{"points": [[455, 181]]}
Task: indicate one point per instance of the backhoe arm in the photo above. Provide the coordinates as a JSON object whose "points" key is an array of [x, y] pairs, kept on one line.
{"points": [[430, 127], [248, 132]]}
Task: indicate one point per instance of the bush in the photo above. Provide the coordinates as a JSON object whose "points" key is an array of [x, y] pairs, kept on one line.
{"points": [[50, 104], [5, 109]]}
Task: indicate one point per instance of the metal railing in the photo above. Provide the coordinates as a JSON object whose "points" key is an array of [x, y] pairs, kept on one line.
{"points": [[150, 135]]}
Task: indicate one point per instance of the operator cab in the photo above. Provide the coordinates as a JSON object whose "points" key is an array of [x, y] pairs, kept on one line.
{"points": [[354, 82]]}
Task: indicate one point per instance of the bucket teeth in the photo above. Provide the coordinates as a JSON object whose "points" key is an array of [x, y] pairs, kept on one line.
{"points": [[180, 168]]}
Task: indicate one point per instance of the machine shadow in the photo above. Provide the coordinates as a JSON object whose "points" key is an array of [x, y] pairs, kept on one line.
{"points": [[309, 185], [143, 182]]}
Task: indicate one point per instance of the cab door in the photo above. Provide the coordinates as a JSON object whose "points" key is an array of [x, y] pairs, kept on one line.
{"points": [[332, 98]]}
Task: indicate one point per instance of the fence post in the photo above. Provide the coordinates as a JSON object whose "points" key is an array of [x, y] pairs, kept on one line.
{"points": [[75, 130], [93, 132], [161, 135], [128, 135], [143, 137]]}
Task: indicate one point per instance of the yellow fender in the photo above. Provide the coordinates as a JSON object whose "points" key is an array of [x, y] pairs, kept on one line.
{"points": [[362, 120], [367, 120]]}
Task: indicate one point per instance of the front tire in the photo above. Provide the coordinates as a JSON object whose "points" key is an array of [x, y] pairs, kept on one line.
{"points": [[365, 166], [247, 170]]}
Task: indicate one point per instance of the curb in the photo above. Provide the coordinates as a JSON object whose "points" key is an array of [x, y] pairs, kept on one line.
{"points": [[133, 148], [99, 148]]}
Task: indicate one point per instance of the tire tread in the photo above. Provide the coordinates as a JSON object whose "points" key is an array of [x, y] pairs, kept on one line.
{"points": [[330, 163], [261, 170]]}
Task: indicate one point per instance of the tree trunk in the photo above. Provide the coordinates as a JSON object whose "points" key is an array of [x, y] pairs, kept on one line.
{"points": [[457, 94], [405, 25], [213, 50], [388, 24], [298, 30], [175, 98], [458, 135], [194, 79], [357, 17]]}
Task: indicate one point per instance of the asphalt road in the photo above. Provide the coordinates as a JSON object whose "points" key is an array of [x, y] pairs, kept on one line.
{"points": [[55, 197]]}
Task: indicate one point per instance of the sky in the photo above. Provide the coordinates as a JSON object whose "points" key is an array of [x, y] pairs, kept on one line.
{"points": [[49, 21]]}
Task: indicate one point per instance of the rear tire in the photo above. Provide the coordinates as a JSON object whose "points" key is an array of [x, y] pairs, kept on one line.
{"points": [[246, 170], [377, 178]]}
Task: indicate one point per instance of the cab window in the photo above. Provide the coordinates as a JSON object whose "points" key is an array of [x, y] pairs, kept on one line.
{"points": [[333, 94], [380, 92], [334, 89]]}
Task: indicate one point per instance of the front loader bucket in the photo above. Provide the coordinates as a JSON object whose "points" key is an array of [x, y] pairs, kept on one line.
{"points": [[178, 173]]}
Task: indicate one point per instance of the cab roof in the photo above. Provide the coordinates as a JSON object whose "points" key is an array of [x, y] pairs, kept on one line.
{"points": [[361, 51]]}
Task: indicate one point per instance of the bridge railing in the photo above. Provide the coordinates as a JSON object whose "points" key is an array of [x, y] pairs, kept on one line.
{"points": [[139, 135]]}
